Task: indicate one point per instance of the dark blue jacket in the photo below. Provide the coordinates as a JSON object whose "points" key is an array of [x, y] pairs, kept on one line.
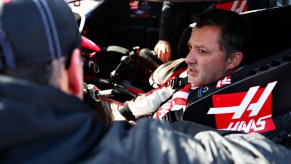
{"points": [[40, 124]]}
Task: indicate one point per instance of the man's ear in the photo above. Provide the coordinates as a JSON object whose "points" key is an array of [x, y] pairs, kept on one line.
{"points": [[75, 74], [234, 60]]}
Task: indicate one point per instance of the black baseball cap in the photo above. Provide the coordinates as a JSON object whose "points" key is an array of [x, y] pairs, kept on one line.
{"points": [[34, 31]]}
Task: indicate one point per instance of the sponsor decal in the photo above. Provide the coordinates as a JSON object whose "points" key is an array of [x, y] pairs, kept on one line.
{"points": [[237, 6], [249, 111], [134, 5], [223, 82]]}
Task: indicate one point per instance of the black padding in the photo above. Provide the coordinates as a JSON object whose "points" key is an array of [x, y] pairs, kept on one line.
{"points": [[270, 33]]}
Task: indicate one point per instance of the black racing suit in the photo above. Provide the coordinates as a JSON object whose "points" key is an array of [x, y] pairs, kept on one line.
{"points": [[175, 17]]}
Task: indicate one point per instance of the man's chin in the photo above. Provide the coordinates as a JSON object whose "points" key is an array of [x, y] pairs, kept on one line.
{"points": [[192, 80]]}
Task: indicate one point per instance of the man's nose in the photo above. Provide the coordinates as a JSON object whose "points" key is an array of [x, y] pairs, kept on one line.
{"points": [[190, 58]]}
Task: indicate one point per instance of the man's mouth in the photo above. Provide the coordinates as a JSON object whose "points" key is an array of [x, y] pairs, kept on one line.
{"points": [[191, 72]]}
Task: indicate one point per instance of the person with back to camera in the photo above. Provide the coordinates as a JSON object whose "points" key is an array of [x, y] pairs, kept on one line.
{"points": [[175, 17], [43, 118]]}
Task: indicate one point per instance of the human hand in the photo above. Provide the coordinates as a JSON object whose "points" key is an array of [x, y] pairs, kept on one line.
{"points": [[163, 50], [132, 123], [116, 115]]}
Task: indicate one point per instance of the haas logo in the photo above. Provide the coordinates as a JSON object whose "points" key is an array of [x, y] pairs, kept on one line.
{"points": [[249, 111], [236, 6]]}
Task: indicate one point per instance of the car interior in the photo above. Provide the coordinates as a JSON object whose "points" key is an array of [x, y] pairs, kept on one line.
{"points": [[266, 60]]}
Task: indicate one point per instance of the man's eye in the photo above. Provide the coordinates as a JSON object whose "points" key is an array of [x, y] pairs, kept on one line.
{"points": [[190, 47], [202, 51]]}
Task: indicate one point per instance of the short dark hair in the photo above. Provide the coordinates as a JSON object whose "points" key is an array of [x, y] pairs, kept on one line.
{"points": [[234, 28], [46, 72]]}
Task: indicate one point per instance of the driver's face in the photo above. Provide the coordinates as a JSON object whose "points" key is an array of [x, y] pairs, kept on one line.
{"points": [[206, 60]]}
